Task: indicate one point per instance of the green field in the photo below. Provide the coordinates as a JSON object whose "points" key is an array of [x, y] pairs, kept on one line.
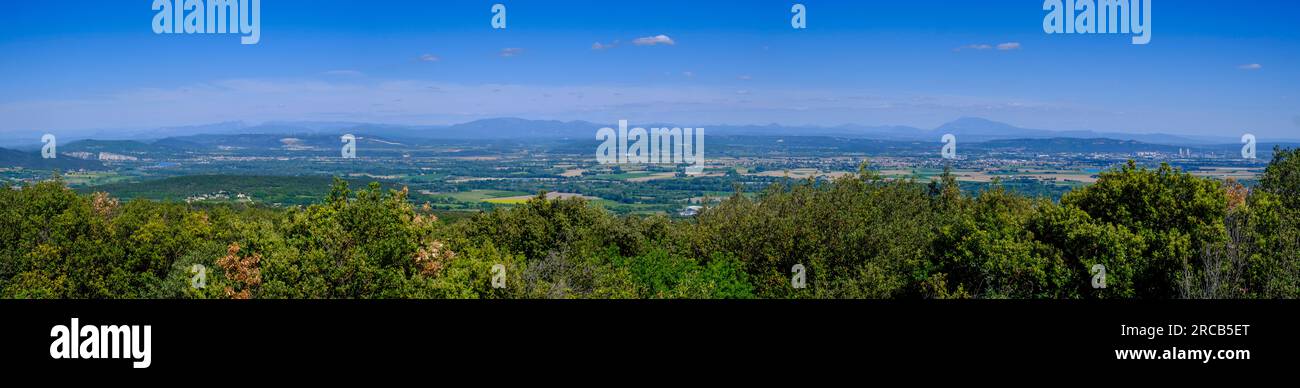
{"points": [[482, 195], [94, 178], [507, 201]]}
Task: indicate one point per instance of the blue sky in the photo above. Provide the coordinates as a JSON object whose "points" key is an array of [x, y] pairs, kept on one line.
{"points": [[1212, 68]]}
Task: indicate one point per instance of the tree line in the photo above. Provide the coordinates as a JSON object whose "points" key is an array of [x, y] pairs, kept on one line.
{"points": [[1159, 233]]}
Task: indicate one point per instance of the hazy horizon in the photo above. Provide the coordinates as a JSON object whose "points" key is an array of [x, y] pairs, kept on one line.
{"points": [[873, 63]]}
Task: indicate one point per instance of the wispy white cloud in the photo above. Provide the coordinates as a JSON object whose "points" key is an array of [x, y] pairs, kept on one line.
{"points": [[688, 74], [1008, 46], [654, 40], [602, 46], [973, 47], [744, 77], [429, 58], [1251, 66], [511, 52]]}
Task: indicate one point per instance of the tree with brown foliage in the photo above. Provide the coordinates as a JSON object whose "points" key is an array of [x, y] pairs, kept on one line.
{"points": [[244, 272]]}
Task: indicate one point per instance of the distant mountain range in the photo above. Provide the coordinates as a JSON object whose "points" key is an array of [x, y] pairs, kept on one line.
{"points": [[229, 143], [966, 129]]}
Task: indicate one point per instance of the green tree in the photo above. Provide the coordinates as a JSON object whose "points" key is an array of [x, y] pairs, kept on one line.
{"points": [[1176, 214]]}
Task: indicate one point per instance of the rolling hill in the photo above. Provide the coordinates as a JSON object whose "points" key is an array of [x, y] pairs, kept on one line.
{"points": [[32, 160]]}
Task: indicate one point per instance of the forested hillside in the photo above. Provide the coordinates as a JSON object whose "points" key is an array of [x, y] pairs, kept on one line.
{"points": [[1160, 234]]}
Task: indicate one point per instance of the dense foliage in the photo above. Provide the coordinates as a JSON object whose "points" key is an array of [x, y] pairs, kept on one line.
{"points": [[1160, 233]]}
